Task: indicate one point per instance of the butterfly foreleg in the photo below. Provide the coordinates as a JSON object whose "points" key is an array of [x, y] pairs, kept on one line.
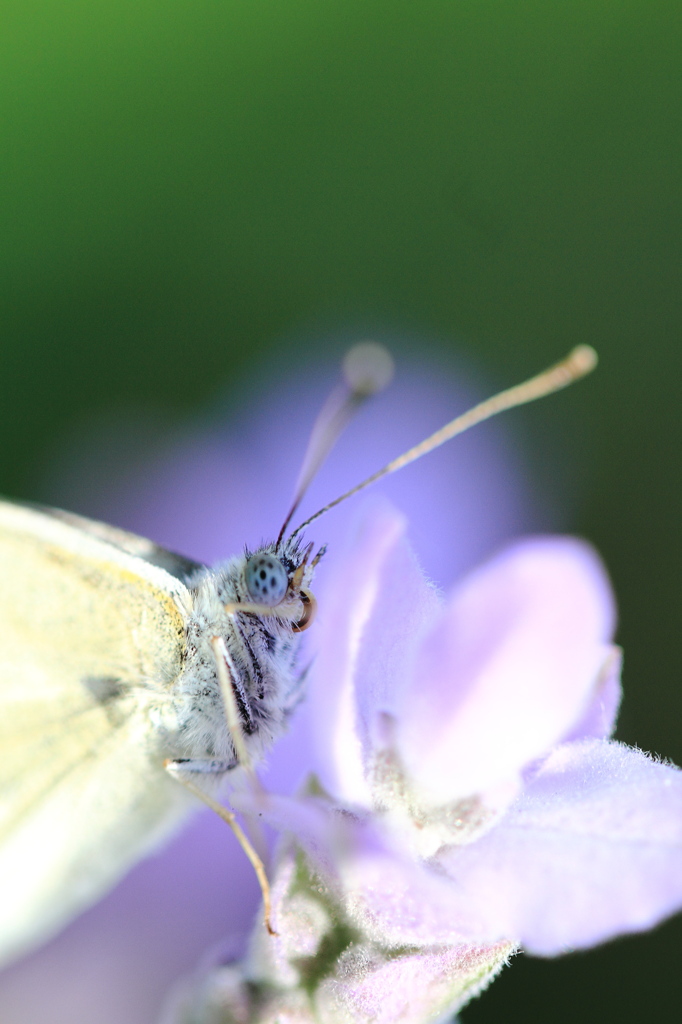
{"points": [[179, 770], [227, 676]]}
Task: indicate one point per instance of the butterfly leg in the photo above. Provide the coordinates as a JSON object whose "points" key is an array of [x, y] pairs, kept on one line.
{"points": [[178, 769], [227, 675]]}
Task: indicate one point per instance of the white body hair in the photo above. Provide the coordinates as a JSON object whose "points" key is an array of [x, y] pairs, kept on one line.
{"points": [[190, 719]]}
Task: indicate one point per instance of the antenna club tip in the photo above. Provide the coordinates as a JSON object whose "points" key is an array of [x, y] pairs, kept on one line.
{"points": [[368, 367], [582, 360]]}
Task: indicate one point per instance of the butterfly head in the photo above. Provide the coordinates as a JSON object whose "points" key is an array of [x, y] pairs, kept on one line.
{"points": [[277, 578]]}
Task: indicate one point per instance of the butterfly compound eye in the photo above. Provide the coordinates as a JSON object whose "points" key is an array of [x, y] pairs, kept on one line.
{"points": [[266, 579]]}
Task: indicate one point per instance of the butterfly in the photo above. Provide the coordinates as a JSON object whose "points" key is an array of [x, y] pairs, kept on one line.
{"points": [[133, 679]]}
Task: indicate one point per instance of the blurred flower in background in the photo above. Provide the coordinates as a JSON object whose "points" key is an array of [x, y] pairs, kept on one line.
{"points": [[206, 489]]}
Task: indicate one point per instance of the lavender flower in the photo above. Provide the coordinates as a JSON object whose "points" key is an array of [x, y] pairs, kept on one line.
{"points": [[468, 800], [474, 735]]}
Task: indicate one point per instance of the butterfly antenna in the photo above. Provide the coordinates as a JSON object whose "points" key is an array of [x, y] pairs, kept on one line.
{"points": [[367, 369], [578, 363]]}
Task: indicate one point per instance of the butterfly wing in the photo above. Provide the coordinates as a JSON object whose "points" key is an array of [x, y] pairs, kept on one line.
{"points": [[93, 637], [177, 565]]}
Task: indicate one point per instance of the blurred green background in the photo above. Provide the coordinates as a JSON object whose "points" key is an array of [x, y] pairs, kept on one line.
{"points": [[186, 182]]}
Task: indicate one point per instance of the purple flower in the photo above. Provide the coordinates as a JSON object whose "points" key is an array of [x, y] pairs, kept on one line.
{"points": [[466, 742]]}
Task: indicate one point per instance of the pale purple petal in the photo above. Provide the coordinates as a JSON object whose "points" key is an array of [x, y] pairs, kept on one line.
{"points": [[599, 720], [349, 605], [591, 850], [393, 899], [405, 609], [396, 901], [377, 605], [318, 827], [509, 668]]}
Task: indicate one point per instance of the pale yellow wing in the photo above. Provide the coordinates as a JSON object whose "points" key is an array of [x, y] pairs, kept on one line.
{"points": [[92, 639]]}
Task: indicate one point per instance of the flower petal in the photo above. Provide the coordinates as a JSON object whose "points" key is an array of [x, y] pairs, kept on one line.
{"points": [[509, 668], [388, 896], [377, 606], [398, 902], [599, 720], [592, 849]]}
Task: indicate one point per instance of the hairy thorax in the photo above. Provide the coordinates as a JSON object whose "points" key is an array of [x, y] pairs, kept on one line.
{"points": [[190, 720]]}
